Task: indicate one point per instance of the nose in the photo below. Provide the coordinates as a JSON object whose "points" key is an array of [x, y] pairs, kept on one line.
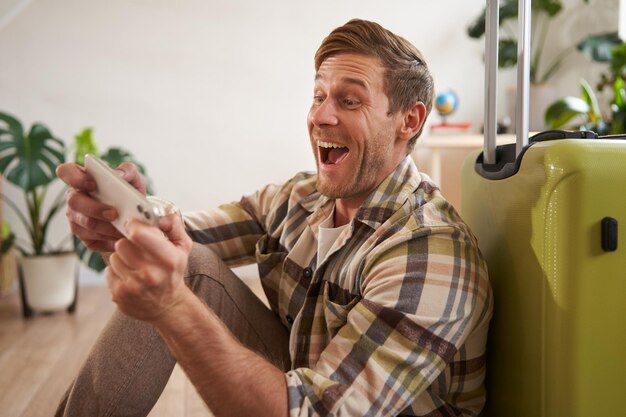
{"points": [[323, 114]]}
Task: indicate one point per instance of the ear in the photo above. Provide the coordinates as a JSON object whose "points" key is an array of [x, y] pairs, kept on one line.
{"points": [[412, 120]]}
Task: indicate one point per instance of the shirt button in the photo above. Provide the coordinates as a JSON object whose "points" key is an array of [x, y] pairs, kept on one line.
{"points": [[308, 272], [289, 319]]}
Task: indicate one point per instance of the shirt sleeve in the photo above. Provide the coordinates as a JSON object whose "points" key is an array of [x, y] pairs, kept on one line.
{"points": [[232, 230], [422, 298]]}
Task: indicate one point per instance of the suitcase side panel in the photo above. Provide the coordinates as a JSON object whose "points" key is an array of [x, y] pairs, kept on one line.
{"points": [[591, 185], [499, 213], [558, 324]]}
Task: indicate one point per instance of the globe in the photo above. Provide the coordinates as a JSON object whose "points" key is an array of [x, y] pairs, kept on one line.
{"points": [[446, 103]]}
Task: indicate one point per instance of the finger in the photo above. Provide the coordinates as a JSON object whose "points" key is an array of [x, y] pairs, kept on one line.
{"points": [[75, 176], [94, 241], [113, 282], [119, 288], [129, 253], [121, 269], [131, 174], [174, 229], [100, 246], [91, 228], [84, 204], [156, 247], [149, 238]]}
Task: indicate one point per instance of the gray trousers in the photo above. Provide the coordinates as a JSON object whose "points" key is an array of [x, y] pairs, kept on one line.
{"points": [[129, 365]]}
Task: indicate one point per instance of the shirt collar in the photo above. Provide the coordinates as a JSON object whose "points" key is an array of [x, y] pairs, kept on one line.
{"points": [[391, 194], [388, 197]]}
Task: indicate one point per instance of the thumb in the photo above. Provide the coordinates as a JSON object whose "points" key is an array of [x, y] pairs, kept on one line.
{"points": [[172, 226]]}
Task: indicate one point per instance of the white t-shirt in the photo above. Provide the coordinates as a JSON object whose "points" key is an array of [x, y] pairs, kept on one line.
{"points": [[327, 236]]}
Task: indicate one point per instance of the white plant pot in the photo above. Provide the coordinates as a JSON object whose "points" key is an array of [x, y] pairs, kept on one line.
{"points": [[49, 281]]}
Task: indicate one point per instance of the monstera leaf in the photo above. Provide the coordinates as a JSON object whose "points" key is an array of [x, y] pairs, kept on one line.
{"points": [[28, 161], [599, 47], [92, 259]]}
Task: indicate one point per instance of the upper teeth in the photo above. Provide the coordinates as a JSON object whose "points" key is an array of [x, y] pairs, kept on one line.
{"points": [[329, 145]]}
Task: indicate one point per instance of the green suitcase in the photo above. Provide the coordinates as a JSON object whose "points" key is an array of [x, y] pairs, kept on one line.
{"points": [[558, 336], [547, 216]]}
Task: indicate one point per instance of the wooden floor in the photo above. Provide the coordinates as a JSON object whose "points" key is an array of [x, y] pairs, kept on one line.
{"points": [[40, 356]]}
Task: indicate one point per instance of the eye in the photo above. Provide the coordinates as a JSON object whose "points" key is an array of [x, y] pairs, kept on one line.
{"points": [[317, 100], [350, 103]]}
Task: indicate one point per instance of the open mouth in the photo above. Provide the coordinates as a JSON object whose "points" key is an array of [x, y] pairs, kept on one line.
{"points": [[331, 153]]}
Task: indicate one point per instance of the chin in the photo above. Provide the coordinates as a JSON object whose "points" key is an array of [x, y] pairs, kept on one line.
{"points": [[326, 189]]}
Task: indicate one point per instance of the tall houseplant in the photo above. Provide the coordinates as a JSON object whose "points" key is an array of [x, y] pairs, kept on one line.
{"points": [[48, 277], [586, 112], [542, 65], [29, 160], [543, 12]]}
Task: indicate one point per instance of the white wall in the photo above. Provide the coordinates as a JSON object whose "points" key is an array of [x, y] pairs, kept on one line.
{"points": [[212, 95]]}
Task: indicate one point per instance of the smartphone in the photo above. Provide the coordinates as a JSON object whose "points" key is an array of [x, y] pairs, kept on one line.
{"points": [[116, 192]]}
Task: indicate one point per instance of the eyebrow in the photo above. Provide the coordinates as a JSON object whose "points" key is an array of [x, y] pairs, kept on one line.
{"points": [[348, 80]]}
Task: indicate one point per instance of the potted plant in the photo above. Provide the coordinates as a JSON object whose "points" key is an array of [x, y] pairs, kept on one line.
{"points": [[586, 112], [28, 160], [542, 93], [48, 275]]}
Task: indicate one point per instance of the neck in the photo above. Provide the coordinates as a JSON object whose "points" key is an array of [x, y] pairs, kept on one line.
{"points": [[345, 210]]}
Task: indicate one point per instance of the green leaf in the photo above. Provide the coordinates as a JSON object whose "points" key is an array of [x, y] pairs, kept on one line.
{"points": [[618, 60], [92, 259], [507, 53], [84, 144], [96, 262], [598, 47], [562, 111], [29, 161], [14, 126], [7, 157], [619, 93], [7, 237], [508, 10], [587, 94], [477, 28], [5, 231], [7, 244], [115, 156], [551, 7]]}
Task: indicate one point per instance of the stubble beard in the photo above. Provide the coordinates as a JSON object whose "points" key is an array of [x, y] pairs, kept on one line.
{"points": [[366, 177]]}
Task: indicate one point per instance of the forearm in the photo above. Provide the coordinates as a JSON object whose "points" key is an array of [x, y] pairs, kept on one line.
{"points": [[230, 378]]}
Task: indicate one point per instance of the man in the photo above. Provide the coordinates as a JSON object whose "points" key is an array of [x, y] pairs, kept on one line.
{"points": [[379, 296]]}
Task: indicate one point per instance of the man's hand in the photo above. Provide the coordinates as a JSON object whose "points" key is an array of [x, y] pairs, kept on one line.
{"points": [[145, 273], [89, 219]]}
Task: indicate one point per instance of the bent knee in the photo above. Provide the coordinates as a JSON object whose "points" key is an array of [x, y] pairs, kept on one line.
{"points": [[203, 261]]}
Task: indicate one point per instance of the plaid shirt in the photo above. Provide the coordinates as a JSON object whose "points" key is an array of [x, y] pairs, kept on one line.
{"points": [[393, 321]]}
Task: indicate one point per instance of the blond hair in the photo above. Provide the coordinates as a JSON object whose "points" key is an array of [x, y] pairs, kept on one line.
{"points": [[407, 78]]}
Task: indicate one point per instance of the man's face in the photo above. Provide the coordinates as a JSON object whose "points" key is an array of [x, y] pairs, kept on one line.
{"points": [[352, 135]]}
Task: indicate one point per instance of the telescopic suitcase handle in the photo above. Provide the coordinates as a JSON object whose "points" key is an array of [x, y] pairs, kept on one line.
{"points": [[491, 77]]}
